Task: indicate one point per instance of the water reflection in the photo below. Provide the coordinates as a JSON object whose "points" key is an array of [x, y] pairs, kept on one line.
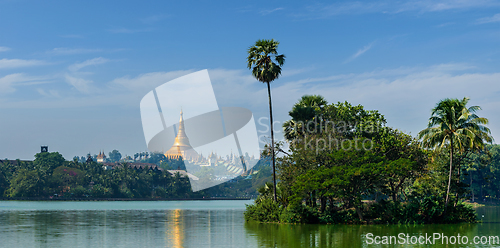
{"points": [[175, 229], [278, 235], [123, 228], [217, 227]]}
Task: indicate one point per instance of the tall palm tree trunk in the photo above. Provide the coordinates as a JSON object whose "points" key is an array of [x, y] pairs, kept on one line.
{"points": [[449, 177], [471, 189], [458, 183], [272, 140]]}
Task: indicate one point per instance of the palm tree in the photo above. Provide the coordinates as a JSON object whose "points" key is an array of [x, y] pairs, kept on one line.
{"points": [[265, 63], [308, 109], [453, 124]]}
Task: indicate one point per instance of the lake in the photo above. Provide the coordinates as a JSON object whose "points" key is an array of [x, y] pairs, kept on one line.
{"points": [[204, 224]]}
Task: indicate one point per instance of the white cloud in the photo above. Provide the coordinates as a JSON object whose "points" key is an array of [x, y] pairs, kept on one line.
{"points": [[236, 88], [392, 7], [8, 83], [431, 5], [291, 72], [72, 36], [74, 78], [321, 11], [446, 24], [359, 52], [495, 18], [37, 81], [71, 51], [4, 49], [405, 96], [17, 63], [82, 85], [153, 19], [451, 67], [148, 81], [125, 91], [269, 11], [129, 31], [49, 93], [94, 61]]}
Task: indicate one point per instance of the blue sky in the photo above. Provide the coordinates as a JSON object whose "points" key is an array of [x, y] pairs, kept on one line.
{"points": [[72, 73]]}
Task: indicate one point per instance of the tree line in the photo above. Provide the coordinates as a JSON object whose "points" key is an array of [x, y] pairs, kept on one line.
{"points": [[51, 176]]}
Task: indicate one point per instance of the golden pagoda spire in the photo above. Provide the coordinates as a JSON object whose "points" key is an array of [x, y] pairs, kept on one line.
{"points": [[181, 144], [181, 139]]}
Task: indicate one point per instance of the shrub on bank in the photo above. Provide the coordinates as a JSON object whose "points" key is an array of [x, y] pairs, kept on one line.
{"points": [[266, 210], [426, 210], [299, 214]]}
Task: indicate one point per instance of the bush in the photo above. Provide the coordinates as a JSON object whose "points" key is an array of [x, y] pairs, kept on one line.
{"points": [[160, 192], [78, 191], [461, 213], [125, 191], [420, 210], [267, 210], [99, 191], [417, 210], [348, 216], [299, 214]]}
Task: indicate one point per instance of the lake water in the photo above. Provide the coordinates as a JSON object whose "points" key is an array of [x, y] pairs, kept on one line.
{"points": [[201, 224]]}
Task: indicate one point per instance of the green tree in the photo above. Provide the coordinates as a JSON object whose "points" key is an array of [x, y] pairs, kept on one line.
{"points": [[156, 158], [265, 63], [4, 183], [307, 110], [326, 129], [65, 178], [350, 175], [352, 121], [312, 115], [484, 173], [26, 183], [405, 160], [453, 124], [48, 161], [115, 156]]}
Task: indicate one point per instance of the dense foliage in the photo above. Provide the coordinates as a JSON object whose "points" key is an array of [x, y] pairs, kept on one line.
{"points": [[456, 126], [50, 176], [346, 166]]}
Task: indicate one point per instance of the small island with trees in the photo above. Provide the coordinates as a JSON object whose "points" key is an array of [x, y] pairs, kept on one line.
{"points": [[345, 166]]}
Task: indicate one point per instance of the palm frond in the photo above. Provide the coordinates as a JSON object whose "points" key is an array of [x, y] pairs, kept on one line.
{"points": [[260, 60], [452, 120]]}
